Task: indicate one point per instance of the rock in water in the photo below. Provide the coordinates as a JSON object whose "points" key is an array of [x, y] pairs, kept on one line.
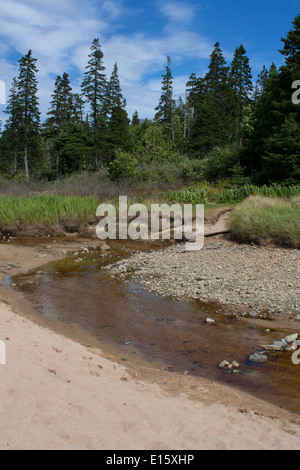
{"points": [[291, 338], [224, 365], [258, 358]]}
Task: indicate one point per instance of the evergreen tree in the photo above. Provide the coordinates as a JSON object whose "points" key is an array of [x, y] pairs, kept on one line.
{"points": [[135, 121], [77, 109], [117, 132], [212, 125], [262, 123], [94, 88], [217, 78], [61, 106], [74, 147], [276, 123], [13, 127], [195, 93], [29, 107], [114, 92], [281, 162], [241, 81], [61, 113], [165, 108]]}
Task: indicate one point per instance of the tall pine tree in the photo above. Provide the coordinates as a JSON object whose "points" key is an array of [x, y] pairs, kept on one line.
{"points": [[212, 125], [29, 107], [60, 114], [241, 81], [94, 88], [13, 128], [166, 106]]}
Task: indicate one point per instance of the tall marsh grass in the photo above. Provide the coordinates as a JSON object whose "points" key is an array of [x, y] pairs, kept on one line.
{"points": [[45, 209], [267, 220]]}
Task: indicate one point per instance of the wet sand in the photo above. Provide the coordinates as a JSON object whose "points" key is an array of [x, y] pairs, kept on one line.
{"points": [[58, 390]]}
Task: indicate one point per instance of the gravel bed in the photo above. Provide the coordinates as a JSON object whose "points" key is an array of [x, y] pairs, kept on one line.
{"points": [[251, 278]]}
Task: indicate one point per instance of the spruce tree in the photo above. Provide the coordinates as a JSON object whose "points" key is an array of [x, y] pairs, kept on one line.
{"points": [[94, 89], [218, 81], [135, 121], [195, 94], [273, 146], [117, 132], [13, 126], [78, 109], [212, 124], [241, 81], [165, 108], [29, 107], [60, 114], [114, 93]]}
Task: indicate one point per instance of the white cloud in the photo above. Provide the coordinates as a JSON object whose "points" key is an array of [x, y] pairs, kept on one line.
{"points": [[178, 12], [60, 34]]}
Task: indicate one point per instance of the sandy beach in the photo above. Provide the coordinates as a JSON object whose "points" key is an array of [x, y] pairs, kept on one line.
{"points": [[61, 392]]}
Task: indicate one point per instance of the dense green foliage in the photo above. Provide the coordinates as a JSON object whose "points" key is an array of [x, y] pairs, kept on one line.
{"points": [[222, 129]]}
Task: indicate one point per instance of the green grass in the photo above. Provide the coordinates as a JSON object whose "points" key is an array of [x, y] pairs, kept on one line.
{"points": [[46, 210], [267, 220], [206, 192], [241, 193], [189, 196]]}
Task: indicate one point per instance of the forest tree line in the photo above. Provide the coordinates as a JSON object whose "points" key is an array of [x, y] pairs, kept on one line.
{"points": [[226, 126]]}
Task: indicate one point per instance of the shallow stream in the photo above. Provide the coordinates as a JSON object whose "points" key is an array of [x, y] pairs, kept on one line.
{"points": [[78, 292]]}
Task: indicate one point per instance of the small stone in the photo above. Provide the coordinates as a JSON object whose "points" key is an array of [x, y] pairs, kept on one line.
{"points": [[281, 343], [291, 338], [272, 347], [258, 358], [253, 314], [224, 365], [235, 364], [209, 321], [104, 247]]}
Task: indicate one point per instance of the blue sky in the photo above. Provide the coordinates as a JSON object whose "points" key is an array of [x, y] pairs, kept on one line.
{"points": [[138, 36]]}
